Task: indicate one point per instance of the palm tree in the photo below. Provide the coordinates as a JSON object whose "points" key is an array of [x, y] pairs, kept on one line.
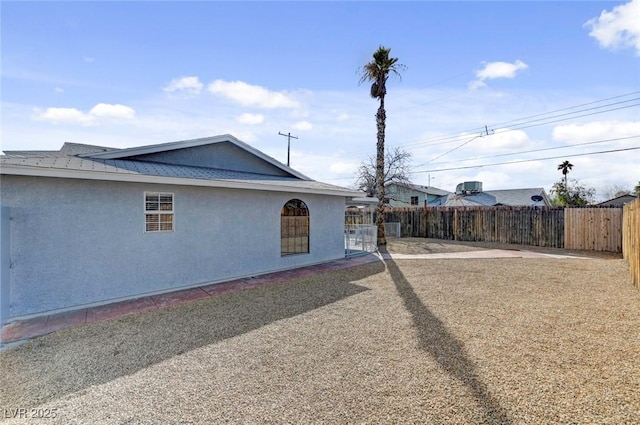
{"points": [[377, 71], [565, 167]]}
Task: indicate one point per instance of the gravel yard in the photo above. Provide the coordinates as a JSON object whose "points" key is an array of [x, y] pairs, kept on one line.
{"points": [[448, 341]]}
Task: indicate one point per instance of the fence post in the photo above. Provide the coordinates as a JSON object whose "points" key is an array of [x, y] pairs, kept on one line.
{"points": [[631, 239], [455, 224]]}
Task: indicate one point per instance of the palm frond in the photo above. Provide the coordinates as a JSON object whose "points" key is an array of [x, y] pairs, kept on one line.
{"points": [[380, 67]]}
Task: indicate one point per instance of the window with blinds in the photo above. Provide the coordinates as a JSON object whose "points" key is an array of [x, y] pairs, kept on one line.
{"points": [[294, 228], [158, 212]]}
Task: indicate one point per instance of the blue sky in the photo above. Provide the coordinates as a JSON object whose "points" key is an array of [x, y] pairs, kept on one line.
{"points": [[124, 74]]}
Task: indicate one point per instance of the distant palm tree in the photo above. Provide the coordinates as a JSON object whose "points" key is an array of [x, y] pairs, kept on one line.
{"points": [[565, 167], [377, 71]]}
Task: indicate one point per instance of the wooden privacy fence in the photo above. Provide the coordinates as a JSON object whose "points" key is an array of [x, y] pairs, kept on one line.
{"points": [[593, 229], [598, 229], [631, 239]]}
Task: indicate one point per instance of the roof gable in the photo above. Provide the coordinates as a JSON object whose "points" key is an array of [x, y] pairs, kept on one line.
{"points": [[223, 152], [224, 156]]}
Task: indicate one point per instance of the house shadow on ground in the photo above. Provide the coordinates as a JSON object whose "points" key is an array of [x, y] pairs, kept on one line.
{"points": [[435, 339], [68, 361]]}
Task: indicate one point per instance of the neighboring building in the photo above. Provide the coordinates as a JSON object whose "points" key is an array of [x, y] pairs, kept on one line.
{"points": [[471, 194], [89, 225], [407, 195], [521, 197], [618, 201]]}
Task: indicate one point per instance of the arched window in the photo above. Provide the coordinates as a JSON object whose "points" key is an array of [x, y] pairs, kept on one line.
{"points": [[294, 228]]}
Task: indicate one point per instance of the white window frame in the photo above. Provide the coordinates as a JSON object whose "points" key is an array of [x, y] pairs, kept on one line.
{"points": [[159, 212]]}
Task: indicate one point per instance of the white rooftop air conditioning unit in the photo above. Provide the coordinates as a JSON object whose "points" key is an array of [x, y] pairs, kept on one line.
{"points": [[468, 188]]}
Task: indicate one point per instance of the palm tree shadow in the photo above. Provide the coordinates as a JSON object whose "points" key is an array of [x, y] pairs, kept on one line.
{"points": [[442, 345], [55, 365]]}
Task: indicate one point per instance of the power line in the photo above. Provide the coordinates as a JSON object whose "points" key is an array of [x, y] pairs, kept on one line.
{"points": [[533, 125], [572, 107], [535, 150], [576, 116], [525, 160], [521, 123], [474, 130], [547, 120], [451, 150], [452, 137]]}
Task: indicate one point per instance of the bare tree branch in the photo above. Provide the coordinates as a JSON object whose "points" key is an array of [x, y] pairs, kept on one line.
{"points": [[396, 169]]}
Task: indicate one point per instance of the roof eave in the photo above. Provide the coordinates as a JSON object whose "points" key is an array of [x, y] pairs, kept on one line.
{"points": [[21, 170]]}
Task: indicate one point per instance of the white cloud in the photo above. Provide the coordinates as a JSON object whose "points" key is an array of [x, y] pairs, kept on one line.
{"points": [[77, 117], [303, 125], [191, 85], [596, 130], [64, 116], [250, 118], [504, 139], [342, 167], [112, 111], [88, 59], [59, 90], [618, 28], [250, 95], [493, 70]]}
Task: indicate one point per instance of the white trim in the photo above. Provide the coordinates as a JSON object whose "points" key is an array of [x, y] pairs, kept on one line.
{"points": [[160, 211], [23, 170]]}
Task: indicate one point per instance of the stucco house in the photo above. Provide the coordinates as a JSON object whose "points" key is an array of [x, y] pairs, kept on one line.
{"points": [[407, 194], [89, 225]]}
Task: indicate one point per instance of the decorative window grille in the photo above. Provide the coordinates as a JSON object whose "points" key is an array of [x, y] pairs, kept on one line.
{"points": [[158, 212], [294, 228]]}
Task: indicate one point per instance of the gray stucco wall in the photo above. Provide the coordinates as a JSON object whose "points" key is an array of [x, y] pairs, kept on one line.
{"points": [[79, 242]]}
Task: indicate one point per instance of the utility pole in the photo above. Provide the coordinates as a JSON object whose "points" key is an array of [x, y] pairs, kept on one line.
{"points": [[289, 137]]}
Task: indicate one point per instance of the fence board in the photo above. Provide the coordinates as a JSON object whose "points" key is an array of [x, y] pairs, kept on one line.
{"points": [[631, 239], [593, 229], [597, 229]]}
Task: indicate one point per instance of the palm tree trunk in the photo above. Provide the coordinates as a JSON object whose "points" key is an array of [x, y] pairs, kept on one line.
{"points": [[381, 117]]}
